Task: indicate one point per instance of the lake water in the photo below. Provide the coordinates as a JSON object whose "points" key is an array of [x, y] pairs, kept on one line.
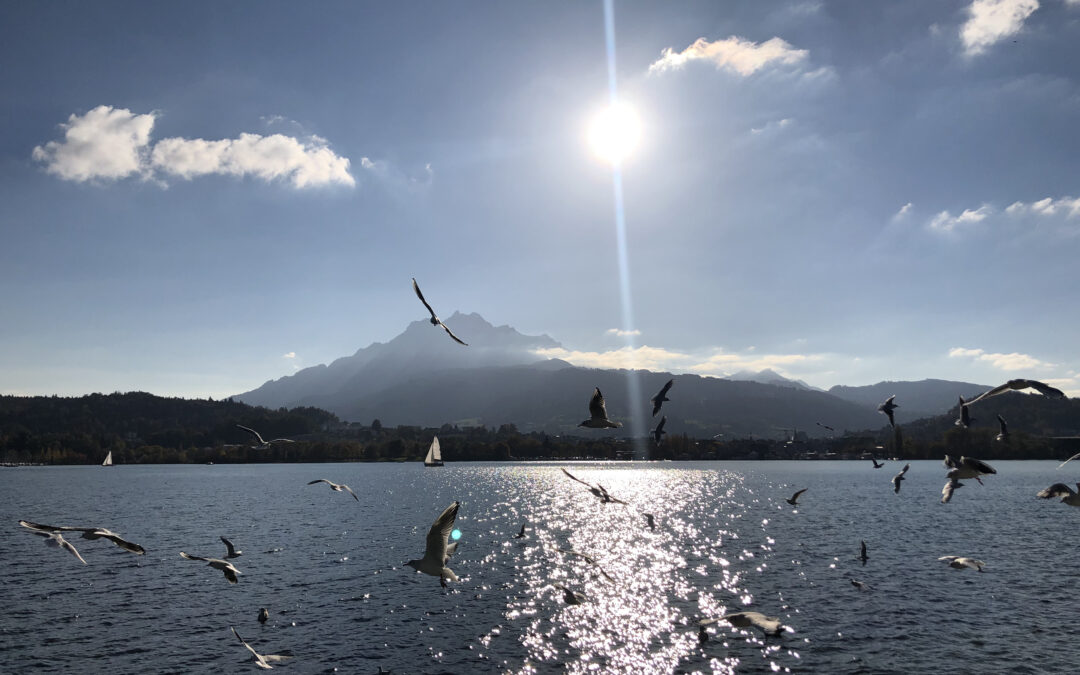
{"points": [[330, 569]]}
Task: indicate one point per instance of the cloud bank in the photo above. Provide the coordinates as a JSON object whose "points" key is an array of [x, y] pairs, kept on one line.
{"points": [[734, 54], [715, 363], [991, 21], [112, 143], [1007, 362]]}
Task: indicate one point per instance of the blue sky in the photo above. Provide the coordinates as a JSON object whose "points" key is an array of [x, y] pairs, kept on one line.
{"points": [[197, 198]]}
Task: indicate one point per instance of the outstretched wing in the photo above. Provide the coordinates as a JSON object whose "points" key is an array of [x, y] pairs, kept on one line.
{"points": [[451, 334], [572, 477], [348, 489], [597, 408], [1045, 389], [660, 427], [228, 546], [251, 431], [416, 287], [192, 557], [439, 533], [320, 480], [795, 497], [1056, 490], [1059, 465], [43, 528]]}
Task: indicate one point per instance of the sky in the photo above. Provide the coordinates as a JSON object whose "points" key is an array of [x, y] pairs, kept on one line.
{"points": [[196, 198]]}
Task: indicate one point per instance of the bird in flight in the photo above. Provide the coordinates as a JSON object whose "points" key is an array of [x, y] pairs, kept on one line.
{"points": [[659, 399], [1061, 490], [224, 565], [824, 426], [91, 533], [770, 625], [588, 559], [261, 660], [794, 499], [965, 419], [1003, 435], [1013, 385], [888, 407], [877, 464], [862, 552], [258, 437], [967, 467], [899, 477], [658, 432], [53, 539], [950, 487], [435, 320], [598, 418], [862, 586], [571, 597], [437, 549], [336, 487], [232, 552], [960, 562], [597, 489]]}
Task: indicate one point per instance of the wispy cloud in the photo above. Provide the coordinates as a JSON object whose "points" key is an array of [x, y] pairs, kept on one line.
{"points": [[1007, 362], [715, 362], [622, 333], [991, 21], [903, 212], [1067, 206], [946, 222], [112, 143], [734, 54], [289, 355]]}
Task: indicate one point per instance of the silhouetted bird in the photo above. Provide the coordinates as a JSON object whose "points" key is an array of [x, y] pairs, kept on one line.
{"points": [[598, 418], [659, 399], [435, 320], [658, 432], [521, 535], [794, 499], [888, 407], [862, 552], [232, 552], [824, 426], [877, 464], [1011, 385]]}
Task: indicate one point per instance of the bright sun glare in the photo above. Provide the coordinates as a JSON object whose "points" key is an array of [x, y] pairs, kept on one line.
{"points": [[614, 132]]}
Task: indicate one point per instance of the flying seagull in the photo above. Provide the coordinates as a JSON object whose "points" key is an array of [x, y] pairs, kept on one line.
{"points": [[258, 437], [950, 487], [823, 426], [435, 320], [597, 489], [232, 552], [1069, 460], [877, 464], [336, 487], [659, 399], [770, 625], [965, 418], [587, 559], [896, 480], [1042, 388], [54, 539], [650, 521], [598, 418], [571, 597], [91, 533], [959, 562], [521, 535], [261, 660], [968, 467], [1003, 435], [218, 564], [794, 499], [888, 407], [437, 549], [1061, 490], [658, 432], [862, 552]]}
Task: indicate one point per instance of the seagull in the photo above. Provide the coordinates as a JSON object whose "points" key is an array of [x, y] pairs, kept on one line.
{"points": [[1044, 389], [861, 586], [795, 497], [521, 535], [435, 320], [1061, 490], [597, 489], [650, 520], [968, 467], [437, 550], [658, 432], [263, 444], [899, 477], [960, 563], [587, 559], [950, 487], [571, 597], [261, 660], [770, 625], [91, 533], [888, 407], [1003, 435], [1069, 460], [336, 487], [823, 426], [659, 399], [54, 539], [965, 418], [598, 414], [862, 552], [218, 564], [233, 553], [264, 614], [877, 464]]}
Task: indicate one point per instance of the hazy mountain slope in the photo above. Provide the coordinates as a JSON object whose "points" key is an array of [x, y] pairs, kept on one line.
{"points": [[924, 398]]}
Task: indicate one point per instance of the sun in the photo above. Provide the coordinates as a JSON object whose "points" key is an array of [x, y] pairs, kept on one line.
{"points": [[614, 132]]}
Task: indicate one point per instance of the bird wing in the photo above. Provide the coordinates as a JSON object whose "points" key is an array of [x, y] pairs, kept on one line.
{"points": [[439, 533], [947, 492], [587, 559], [349, 490], [1002, 424], [1056, 490], [660, 427], [258, 656], [572, 477], [50, 528], [193, 557], [888, 403], [977, 464], [451, 334], [1000, 389], [1045, 389], [251, 431], [795, 496], [904, 470], [228, 545], [121, 542], [67, 545], [416, 287], [597, 408], [281, 440], [607, 496], [522, 533], [949, 558], [1059, 466], [320, 480]]}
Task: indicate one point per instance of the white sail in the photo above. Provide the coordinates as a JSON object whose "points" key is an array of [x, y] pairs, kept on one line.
{"points": [[108, 459], [434, 455]]}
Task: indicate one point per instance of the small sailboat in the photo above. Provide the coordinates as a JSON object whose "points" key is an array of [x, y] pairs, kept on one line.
{"points": [[108, 459], [434, 455]]}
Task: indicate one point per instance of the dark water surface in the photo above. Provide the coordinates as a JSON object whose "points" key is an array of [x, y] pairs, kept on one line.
{"points": [[329, 569]]}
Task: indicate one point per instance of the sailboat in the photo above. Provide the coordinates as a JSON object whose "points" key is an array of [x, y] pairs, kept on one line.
{"points": [[434, 455], [108, 459]]}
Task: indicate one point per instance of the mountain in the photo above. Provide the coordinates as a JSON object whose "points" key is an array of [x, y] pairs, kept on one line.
{"points": [[916, 400], [769, 376]]}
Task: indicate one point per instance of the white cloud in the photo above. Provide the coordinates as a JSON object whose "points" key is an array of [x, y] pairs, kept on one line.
{"points": [[107, 143], [1069, 206], [112, 143], [902, 213], [946, 222], [734, 53], [993, 20], [714, 362], [772, 126], [622, 333], [1008, 362], [290, 355]]}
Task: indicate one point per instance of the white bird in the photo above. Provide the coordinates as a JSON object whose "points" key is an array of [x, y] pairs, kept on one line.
{"points": [[960, 563], [899, 477], [224, 565], [261, 660], [1011, 385], [888, 407], [597, 489], [435, 320], [598, 418], [571, 597], [794, 499], [91, 533], [258, 437], [232, 552], [53, 539], [770, 625], [950, 487], [1061, 490], [336, 487], [968, 467], [437, 550], [659, 399]]}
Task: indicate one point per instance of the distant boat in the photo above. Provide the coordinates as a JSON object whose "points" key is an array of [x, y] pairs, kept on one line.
{"points": [[434, 455], [108, 459]]}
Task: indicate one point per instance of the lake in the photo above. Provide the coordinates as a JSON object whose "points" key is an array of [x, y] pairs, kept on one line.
{"points": [[330, 569]]}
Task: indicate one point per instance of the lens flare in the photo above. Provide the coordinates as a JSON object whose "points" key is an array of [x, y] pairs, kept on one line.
{"points": [[455, 535], [614, 132]]}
